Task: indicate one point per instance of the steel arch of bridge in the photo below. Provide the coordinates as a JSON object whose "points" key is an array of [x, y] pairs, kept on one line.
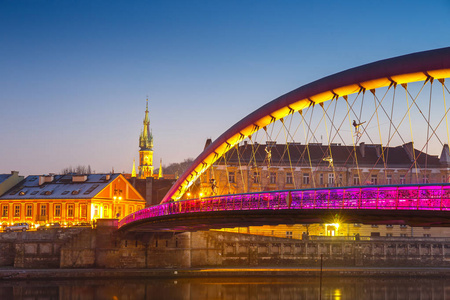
{"points": [[425, 205], [421, 66]]}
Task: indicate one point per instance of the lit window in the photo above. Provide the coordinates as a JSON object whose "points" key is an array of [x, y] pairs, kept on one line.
{"points": [[305, 178], [289, 234], [17, 210], [70, 210], [43, 210], [57, 210], [289, 179], [130, 210], [5, 211], [106, 211], [321, 179], [95, 210], [231, 178], [273, 178], [29, 210]]}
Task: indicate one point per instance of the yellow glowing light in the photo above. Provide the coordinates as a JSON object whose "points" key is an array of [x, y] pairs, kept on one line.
{"points": [[120, 197], [115, 197], [188, 194], [200, 195]]}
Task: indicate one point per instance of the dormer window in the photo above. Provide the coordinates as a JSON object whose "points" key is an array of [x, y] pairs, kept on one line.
{"points": [[75, 192], [21, 193]]}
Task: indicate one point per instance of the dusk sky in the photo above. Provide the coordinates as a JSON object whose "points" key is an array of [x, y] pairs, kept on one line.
{"points": [[74, 75]]}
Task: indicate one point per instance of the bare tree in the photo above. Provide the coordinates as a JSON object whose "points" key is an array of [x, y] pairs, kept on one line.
{"points": [[77, 170]]}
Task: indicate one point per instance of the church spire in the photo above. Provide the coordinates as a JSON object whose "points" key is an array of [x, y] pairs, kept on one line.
{"points": [[146, 138], [146, 148]]}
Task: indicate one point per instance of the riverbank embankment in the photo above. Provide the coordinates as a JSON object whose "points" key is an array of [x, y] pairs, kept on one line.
{"points": [[66, 274]]}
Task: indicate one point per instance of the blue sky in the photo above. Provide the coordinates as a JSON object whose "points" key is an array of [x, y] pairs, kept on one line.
{"points": [[74, 75]]}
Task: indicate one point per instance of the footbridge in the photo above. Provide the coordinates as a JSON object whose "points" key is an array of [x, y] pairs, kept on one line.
{"points": [[369, 144]]}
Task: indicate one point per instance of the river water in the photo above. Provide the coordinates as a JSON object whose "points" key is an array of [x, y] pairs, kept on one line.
{"points": [[256, 288]]}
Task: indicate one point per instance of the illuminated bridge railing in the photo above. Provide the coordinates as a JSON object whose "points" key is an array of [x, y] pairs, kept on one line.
{"points": [[403, 197]]}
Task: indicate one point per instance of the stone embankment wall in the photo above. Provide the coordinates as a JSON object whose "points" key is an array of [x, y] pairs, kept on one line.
{"points": [[106, 248]]}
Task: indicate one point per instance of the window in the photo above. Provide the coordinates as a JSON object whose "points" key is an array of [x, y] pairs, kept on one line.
{"points": [[289, 179], [374, 179], [374, 226], [357, 225], [16, 210], [29, 210], [273, 178], [402, 179], [255, 177], [403, 235], [231, 178], [83, 211], [57, 210], [95, 210], [321, 178], [5, 211], [403, 226], [305, 178], [130, 210], [289, 234], [341, 181], [43, 210], [70, 210], [426, 235], [330, 179], [389, 179], [355, 179], [425, 179], [118, 211], [389, 226], [389, 234], [106, 211]]}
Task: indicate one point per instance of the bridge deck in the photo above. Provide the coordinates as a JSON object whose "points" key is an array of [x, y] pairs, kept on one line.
{"points": [[420, 205]]}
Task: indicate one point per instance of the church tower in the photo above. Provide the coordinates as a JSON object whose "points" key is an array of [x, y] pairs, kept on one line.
{"points": [[146, 149]]}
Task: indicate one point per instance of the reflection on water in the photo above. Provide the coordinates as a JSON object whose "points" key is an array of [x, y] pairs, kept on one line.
{"points": [[256, 288]]}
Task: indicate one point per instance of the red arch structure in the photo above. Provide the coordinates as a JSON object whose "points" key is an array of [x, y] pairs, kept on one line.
{"points": [[420, 66]]}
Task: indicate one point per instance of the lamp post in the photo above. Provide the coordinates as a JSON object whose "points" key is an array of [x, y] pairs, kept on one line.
{"points": [[117, 197]]}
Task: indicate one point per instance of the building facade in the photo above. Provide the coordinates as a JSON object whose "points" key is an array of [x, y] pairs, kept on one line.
{"points": [[256, 168], [69, 199]]}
